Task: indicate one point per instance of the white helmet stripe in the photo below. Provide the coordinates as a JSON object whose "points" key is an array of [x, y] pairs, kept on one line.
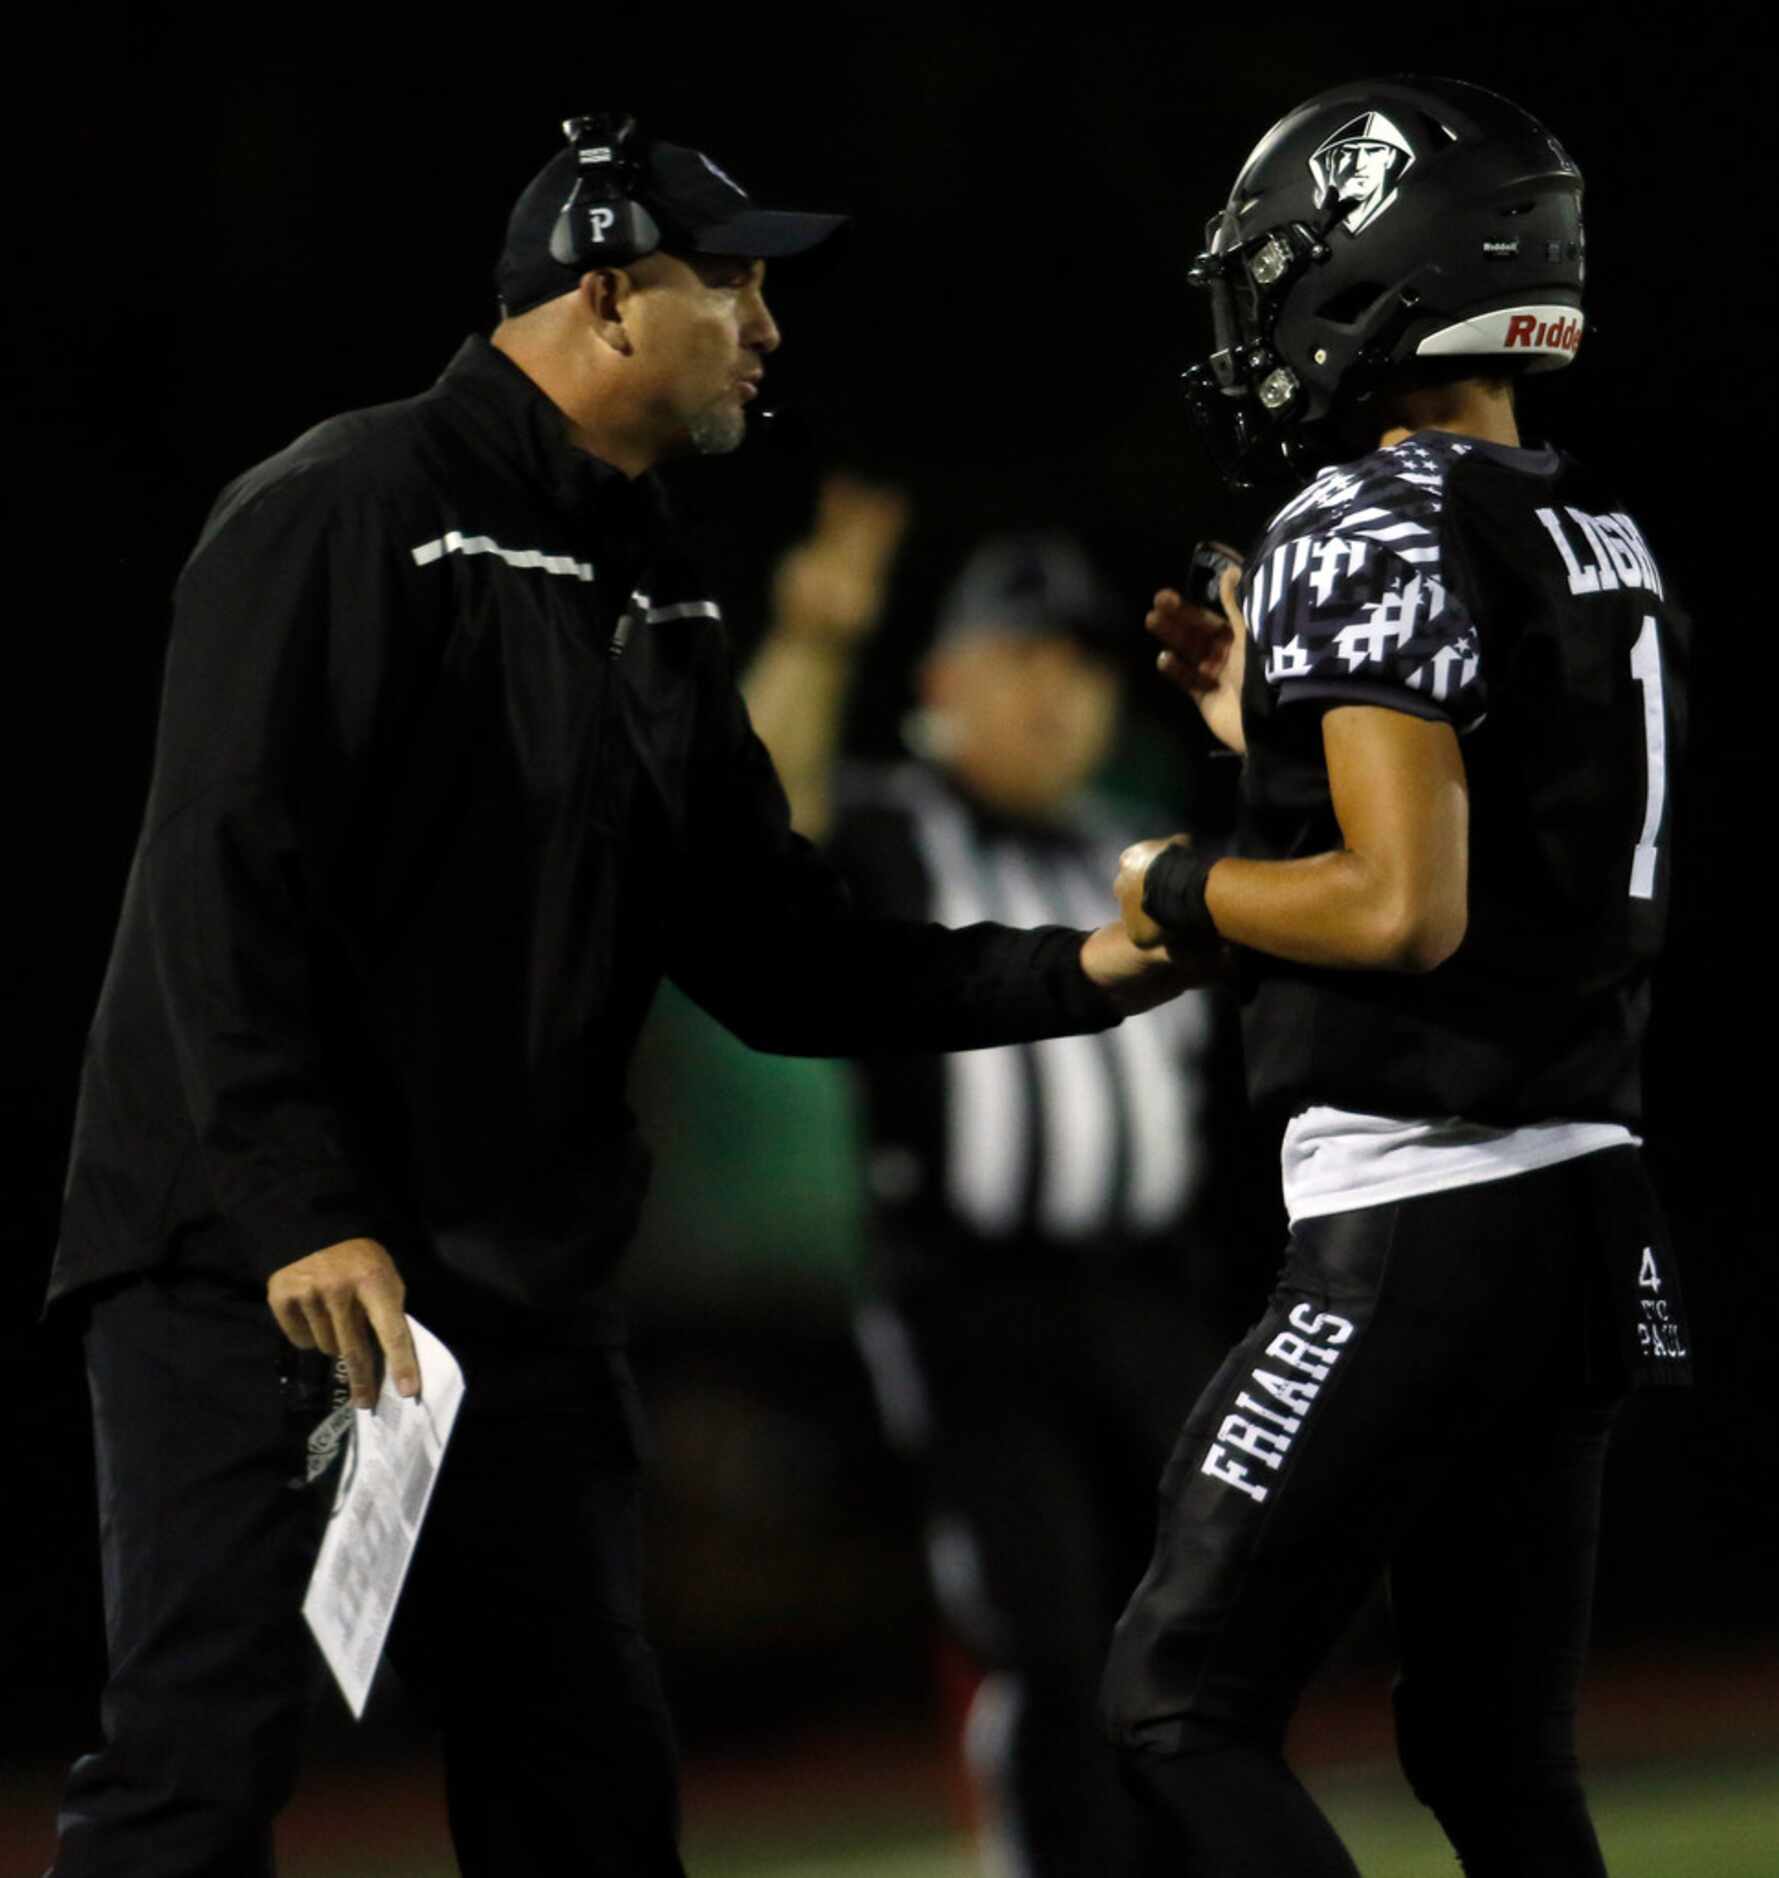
{"points": [[1547, 332]]}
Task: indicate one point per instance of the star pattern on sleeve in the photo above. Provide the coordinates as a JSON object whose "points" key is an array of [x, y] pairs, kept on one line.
{"points": [[1348, 589]]}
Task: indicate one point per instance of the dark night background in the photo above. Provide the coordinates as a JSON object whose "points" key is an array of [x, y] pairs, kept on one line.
{"points": [[225, 234]]}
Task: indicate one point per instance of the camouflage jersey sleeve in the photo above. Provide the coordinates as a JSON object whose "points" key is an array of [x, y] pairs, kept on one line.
{"points": [[1347, 598]]}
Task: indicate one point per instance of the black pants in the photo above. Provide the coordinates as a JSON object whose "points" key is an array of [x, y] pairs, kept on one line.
{"points": [[1424, 1396], [1039, 1410], [519, 1623]]}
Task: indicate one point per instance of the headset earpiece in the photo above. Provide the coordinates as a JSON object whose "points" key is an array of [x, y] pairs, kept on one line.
{"points": [[601, 224]]}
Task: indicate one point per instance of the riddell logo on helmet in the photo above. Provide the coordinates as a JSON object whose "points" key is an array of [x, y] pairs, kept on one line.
{"points": [[1552, 332], [1527, 332]]}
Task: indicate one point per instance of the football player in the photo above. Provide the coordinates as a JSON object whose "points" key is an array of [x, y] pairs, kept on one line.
{"points": [[1453, 667]]}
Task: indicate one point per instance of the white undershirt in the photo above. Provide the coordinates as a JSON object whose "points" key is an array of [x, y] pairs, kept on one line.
{"points": [[1335, 1160]]}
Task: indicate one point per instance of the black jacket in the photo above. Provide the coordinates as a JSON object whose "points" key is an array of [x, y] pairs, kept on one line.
{"points": [[451, 768]]}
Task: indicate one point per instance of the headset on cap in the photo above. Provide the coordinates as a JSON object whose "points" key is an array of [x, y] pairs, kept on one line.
{"points": [[602, 224]]}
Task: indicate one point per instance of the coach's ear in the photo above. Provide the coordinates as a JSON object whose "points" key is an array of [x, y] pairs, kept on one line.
{"points": [[604, 296]]}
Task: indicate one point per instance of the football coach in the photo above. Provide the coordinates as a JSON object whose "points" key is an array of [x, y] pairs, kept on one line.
{"points": [[451, 770]]}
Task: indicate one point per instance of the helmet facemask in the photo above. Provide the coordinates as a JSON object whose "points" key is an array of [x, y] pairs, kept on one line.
{"points": [[1246, 400]]}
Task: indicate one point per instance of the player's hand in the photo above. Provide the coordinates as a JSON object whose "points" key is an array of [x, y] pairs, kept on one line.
{"points": [[1137, 977], [1133, 876], [1195, 642], [1203, 653], [347, 1300], [831, 587]]}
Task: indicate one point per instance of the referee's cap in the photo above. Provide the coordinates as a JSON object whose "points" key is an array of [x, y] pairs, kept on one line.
{"points": [[699, 207], [1039, 583]]}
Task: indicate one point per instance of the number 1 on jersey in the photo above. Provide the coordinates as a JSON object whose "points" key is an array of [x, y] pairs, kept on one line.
{"points": [[1646, 669]]}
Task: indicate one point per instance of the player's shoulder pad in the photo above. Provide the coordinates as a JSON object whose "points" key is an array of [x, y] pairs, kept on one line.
{"points": [[1348, 587], [1390, 496], [1357, 528]]}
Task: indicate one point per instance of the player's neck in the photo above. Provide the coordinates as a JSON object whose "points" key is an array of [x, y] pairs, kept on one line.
{"points": [[1470, 408]]}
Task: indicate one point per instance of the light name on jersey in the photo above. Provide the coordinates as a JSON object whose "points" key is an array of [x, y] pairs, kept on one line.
{"points": [[1602, 553]]}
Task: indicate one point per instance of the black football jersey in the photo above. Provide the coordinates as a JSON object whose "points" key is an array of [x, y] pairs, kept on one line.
{"points": [[1507, 592]]}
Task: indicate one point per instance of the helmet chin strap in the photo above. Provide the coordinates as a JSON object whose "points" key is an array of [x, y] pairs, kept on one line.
{"points": [[1235, 428]]}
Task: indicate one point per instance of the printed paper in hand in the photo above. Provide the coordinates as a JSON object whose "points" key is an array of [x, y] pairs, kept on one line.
{"points": [[385, 1483]]}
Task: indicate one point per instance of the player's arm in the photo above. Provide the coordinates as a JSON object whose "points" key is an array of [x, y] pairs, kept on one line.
{"points": [[1392, 897]]}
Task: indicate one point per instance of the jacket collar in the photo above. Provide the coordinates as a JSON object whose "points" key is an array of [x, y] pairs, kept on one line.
{"points": [[519, 423]]}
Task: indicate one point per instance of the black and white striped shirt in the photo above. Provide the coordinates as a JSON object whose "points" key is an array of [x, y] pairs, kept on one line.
{"points": [[1075, 1147]]}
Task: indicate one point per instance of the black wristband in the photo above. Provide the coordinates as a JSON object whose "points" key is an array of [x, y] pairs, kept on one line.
{"points": [[1174, 893]]}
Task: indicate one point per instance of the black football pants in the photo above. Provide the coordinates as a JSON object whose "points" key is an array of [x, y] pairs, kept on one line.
{"points": [[1415, 1400], [518, 1624]]}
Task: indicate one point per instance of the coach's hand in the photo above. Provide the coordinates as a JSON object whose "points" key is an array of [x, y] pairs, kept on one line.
{"points": [[336, 1300], [1133, 878], [1140, 977]]}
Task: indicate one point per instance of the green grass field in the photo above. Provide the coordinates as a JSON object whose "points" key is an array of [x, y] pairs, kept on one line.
{"points": [[1703, 1818], [1708, 1821]]}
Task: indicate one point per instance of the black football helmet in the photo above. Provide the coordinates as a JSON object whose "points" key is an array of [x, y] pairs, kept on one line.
{"points": [[1383, 227]]}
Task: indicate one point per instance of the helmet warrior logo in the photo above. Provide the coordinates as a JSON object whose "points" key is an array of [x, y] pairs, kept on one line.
{"points": [[1362, 163]]}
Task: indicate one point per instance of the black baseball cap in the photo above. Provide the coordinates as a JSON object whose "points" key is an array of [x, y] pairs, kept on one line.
{"points": [[699, 207], [1034, 584]]}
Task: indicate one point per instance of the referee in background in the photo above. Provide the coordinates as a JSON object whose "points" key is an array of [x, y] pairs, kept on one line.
{"points": [[1047, 1282]]}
